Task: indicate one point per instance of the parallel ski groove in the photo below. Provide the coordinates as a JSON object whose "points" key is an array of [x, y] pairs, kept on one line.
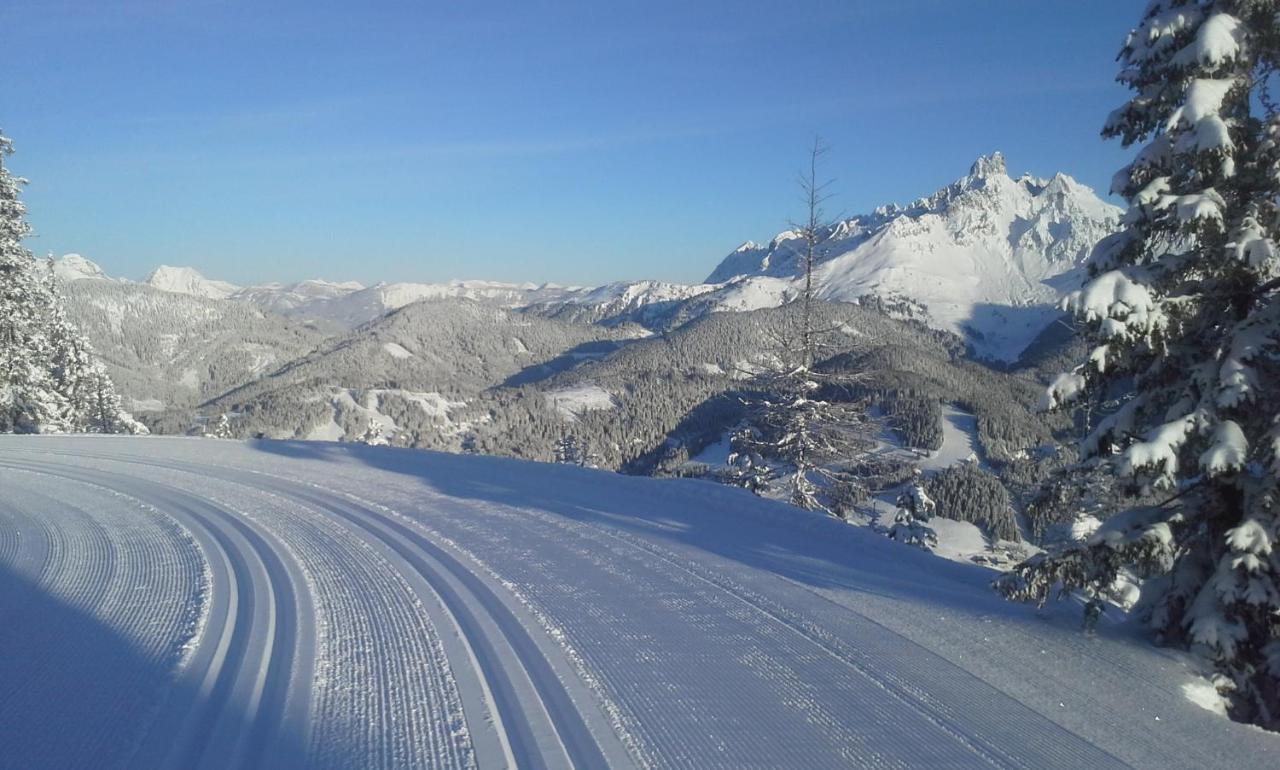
{"points": [[442, 571], [461, 619], [252, 657]]}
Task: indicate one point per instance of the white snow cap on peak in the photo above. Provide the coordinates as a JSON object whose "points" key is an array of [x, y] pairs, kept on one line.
{"points": [[74, 267], [188, 280], [988, 166]]}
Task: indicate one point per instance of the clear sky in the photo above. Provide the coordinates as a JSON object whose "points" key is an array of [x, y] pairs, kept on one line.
{"points": [[576, 141]]}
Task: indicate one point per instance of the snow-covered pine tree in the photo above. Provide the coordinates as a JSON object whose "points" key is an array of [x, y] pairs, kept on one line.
{"points": [[70, 360], [915, 509], [1183, 310], [572, 449], [29, 402], [105, 413], [93, 406], [566, 450], [374, 434], [49, 381], [219, 428], [799, 437]]}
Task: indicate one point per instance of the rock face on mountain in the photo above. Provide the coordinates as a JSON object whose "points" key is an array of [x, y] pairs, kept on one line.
{"points": [[979, 254]]}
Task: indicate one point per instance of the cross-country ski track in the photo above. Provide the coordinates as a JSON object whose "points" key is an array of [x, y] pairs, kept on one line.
{"points": [[188, 603]]}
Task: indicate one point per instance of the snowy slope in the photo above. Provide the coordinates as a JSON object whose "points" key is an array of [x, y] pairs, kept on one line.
{"points": [[977, 253], [218, 603]]}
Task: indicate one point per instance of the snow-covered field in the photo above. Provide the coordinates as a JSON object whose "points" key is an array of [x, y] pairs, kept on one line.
{"points": [[187, 602]]}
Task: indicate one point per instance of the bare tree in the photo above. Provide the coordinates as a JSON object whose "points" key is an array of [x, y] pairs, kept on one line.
{"points": [[805, 429], [814, 194]]}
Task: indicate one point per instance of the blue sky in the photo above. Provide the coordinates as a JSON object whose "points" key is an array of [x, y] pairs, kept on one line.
{"points": [[576, 142]]}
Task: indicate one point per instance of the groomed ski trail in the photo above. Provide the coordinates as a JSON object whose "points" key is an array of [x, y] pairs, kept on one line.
{"points": [[324, 605]]}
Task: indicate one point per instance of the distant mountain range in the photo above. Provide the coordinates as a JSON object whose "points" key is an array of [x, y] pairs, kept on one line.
{"points": [[166, 350], [985, 257]]}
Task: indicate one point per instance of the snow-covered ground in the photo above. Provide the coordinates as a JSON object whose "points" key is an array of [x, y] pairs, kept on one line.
{"points": [[959, 441], [572, 402], [195, 602]]}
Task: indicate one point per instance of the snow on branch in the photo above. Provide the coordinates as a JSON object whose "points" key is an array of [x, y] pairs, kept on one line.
{"points": [[1228, 449], [1159, 452]]}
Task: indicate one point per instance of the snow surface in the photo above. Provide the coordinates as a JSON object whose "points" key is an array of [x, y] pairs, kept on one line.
{"points": [[572, 402], [185, 602], [959, 440], [396, 350]]}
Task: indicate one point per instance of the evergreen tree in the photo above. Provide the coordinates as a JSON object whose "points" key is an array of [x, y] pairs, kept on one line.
{"points": [[910, 522], [572, 449], [374, 434], [221, 428], [1183, 313], [965, 492], [49, 381], [29, 402]]}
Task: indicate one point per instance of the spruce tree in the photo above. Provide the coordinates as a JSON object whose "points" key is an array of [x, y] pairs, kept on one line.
{"points": [[915, 509], [374, 434], [1183, 314], [220, 428], [49, 379], [29, 402]]}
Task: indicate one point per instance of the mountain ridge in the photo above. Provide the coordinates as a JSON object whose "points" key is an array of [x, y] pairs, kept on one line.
{"points": [[979, 254], [986, 256]]}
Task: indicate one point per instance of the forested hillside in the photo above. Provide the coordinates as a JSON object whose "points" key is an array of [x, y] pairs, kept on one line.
{"points": [[173, 351], [417, 363]]}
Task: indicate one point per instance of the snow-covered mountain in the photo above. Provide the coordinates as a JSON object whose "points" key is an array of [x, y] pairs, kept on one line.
{"points": [[404, 367], [75, 267], [292, 297], [649, 303], [979, 254], [986, 257], [347, 303], [188, 280]]}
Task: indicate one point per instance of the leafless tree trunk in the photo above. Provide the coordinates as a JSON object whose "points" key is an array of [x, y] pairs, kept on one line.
{"points": [[797, 422], [813, 194]]}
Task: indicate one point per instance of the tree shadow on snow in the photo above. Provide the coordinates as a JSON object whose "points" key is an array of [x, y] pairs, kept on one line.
{"points": [[694, 515], [75, 692]]}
